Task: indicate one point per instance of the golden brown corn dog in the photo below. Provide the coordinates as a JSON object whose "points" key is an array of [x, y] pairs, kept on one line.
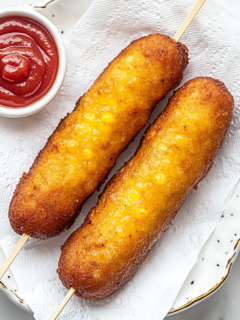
{"points": [[86, 144], [140, 201]]}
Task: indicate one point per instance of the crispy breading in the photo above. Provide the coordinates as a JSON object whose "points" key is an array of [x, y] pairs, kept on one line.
{"points": [[141, 200], [86, 144]]}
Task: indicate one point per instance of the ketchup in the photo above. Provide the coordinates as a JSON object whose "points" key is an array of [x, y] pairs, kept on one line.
{"points": [[28, 62]]}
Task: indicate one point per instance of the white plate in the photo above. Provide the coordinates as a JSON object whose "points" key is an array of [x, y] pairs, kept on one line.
{"points": [[221, 249], [215, 259]]}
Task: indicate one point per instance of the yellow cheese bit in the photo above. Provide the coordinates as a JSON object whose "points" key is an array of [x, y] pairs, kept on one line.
{"points": [[134, 195], [87, 154], [72, 146], [159, 179], [140, 210], [107, 117]]}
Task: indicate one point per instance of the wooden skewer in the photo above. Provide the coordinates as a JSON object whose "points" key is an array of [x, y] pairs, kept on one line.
{"points": [[13, 255], [177, 37], [63, 303], [188, 20]]}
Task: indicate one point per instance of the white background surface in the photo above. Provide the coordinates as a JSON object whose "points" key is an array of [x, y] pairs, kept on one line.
{"points": [[224, 305]]}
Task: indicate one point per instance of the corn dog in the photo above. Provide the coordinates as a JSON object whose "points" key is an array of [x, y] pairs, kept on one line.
{"points": [[86, 144], [140, 201]]}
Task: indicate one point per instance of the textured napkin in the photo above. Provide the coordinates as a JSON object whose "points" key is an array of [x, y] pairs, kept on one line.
{"points": [[213, 41]]}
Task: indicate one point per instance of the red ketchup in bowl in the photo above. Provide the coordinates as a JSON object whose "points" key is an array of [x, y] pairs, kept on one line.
{"points": [[28, 62]]}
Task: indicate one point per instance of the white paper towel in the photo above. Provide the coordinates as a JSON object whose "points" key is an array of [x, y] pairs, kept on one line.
{"points": [[109, 26]]}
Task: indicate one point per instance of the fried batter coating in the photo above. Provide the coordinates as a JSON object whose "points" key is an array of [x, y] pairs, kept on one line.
{"points": [[140, 201], [86, 144]]}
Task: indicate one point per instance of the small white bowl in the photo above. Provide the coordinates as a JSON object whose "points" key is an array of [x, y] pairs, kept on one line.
{"points": [[46, 99]]}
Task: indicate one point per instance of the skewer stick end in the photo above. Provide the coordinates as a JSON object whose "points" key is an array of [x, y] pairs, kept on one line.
{"points": [[63, 303], [188, 20], [13, 255]]}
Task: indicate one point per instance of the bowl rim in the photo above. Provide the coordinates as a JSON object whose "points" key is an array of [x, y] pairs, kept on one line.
{"points": [[62, 64]]}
